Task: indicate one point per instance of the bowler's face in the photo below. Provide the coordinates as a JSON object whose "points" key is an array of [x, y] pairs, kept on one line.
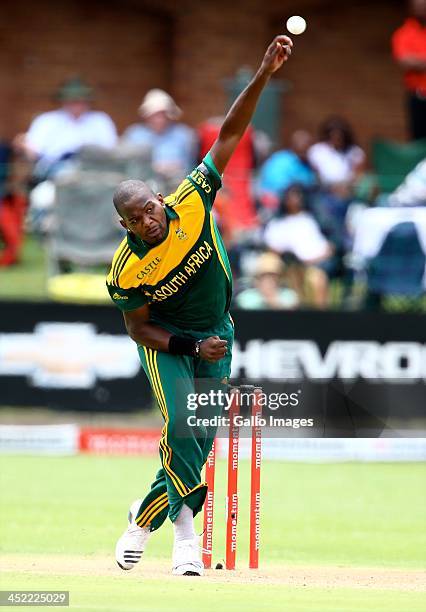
{"points": [[144, 216]]}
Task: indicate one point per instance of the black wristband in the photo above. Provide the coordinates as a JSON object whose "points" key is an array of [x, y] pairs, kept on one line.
{"points": [[182, 346]]}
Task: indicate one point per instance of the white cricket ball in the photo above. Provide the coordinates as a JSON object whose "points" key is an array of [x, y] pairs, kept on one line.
{"points": [[296, 24]]}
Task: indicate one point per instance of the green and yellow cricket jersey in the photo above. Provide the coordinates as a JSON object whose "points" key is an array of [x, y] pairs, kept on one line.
{"points": [[186, 279]]}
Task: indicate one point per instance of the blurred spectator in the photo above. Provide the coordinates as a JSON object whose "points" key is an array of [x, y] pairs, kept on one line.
{"points": [[286, 167], [173, 144], [336, 157], [267, 291], [409, 51], [340, 164], [55, 136], [12, 209], [412, 191], [295, 234], [235, 202]]}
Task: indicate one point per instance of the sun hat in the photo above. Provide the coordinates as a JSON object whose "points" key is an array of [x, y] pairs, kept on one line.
{"points": [[157, 100], [268, 263], [74, 89]]}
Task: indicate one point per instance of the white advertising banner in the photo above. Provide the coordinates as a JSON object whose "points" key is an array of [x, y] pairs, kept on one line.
{"points": [[335, 449], [39, 439]]}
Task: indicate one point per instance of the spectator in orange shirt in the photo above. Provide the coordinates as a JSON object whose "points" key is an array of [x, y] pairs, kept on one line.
{"points": [[409, 50]]}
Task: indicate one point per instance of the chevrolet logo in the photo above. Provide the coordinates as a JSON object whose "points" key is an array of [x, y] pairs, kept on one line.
{"points": [[67, 356]]}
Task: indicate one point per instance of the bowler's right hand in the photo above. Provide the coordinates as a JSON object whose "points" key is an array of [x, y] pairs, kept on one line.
{"points": [[276, 54], [213, 349]]}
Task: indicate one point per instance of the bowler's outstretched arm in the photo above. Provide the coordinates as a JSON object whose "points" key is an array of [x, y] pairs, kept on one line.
{"points": [[241, 112]]}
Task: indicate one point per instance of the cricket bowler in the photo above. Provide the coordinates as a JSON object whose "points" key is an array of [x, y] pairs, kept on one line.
{"points": [[171, 278]]}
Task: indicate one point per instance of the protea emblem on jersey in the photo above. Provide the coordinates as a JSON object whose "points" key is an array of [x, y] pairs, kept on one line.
{"points": [[181, 234]]}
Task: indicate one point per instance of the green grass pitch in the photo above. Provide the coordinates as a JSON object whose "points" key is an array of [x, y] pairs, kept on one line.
{"points": [[334, 537]]}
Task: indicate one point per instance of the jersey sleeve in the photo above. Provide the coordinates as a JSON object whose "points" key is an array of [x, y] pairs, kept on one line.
{"points": [[207, 180], [127, 299]]}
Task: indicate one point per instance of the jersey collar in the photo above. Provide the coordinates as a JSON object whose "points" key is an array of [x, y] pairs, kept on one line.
{"points": [[170, 212]]}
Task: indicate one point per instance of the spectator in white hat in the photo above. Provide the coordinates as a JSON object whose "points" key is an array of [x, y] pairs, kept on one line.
{"points": [[173, 144], [267, 291]]}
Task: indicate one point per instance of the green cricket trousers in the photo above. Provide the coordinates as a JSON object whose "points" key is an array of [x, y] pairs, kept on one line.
{"points": [[183, 448]]}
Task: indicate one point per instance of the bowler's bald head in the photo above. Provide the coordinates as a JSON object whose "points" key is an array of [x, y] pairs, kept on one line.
{"points": [[126, 190]]}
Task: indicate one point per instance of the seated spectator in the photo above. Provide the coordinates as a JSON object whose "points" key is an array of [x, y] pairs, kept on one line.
{"points": [[336, 158], [295, 235], [286, 167], [267, 291], [340, 164], [173, 144], [330, 211], [55, 136]]}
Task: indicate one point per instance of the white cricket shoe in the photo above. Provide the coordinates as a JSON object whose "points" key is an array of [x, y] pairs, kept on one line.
{"points": [[186, 558], [131, 545]]}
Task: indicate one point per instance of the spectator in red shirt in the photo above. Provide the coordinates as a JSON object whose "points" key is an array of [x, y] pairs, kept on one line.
{"points": [[409, 50], [237, 211]]}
